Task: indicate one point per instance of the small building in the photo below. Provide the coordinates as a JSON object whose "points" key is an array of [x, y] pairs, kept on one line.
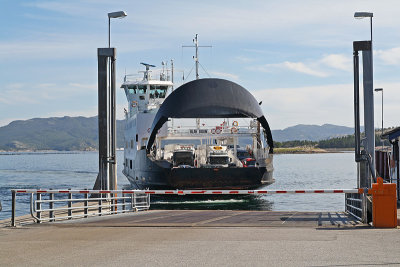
{"points": [[390, 166]]}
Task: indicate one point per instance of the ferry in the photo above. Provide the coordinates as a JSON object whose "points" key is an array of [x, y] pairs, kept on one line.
{"points": [[159, 153]]}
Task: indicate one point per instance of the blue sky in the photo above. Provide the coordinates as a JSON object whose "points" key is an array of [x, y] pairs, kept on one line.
{"points": [[295, 56]]}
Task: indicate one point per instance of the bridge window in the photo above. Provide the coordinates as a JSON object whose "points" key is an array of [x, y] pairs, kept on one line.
{"points": [[130, 164], [158, 91], [142, 89]]}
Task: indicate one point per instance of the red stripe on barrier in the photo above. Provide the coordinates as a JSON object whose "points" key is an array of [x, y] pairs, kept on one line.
{"points": [[169, 192], [84, 192], [197, 192], [41, 191], [127, 192], [250, 192], [281, 192], [21, 191], [319, 191], [300, 191], [105, 192], [63, 191], [216, 192], [338, 191], [149, 192], [262, 191], [180, 192], [233, 192]]}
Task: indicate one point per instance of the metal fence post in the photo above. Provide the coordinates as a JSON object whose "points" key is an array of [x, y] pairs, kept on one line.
{"points": [[14, 195], [123, 203], [69, 205], [112, 208], [38, 207], [134, 201], [364, 207], [86, 203], [51, 207], [100, 203]]}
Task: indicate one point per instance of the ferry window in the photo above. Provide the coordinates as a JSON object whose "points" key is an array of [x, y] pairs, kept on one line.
{"points": [[130, 164], [141, 97], [132, 89], [137, 138], [142, 89], [157, 91]]}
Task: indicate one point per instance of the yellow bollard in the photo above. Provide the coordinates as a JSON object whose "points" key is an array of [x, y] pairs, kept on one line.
{"points": [[384, 205]]}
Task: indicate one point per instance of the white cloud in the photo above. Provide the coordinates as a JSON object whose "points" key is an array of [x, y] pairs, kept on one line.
{"points": [[301, 67], [285, 107], [294, 66], [84, 86], [225, 75], [389, 56], [338, 61], [244, 59], [319, 68]]}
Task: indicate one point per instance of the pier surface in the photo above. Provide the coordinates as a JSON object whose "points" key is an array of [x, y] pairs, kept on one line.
{"points": [[204, 238]]}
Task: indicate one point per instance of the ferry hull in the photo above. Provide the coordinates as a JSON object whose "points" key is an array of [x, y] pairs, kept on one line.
{"points": [[218, 178], [202, 178]]}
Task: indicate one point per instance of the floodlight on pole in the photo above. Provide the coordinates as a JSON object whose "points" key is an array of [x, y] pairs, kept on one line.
{"points": [[114, 15], [361, 15]]}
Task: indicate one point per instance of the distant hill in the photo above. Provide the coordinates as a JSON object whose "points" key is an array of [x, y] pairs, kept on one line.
{"points": [[81, 133], [63, 134], [311, 132]]}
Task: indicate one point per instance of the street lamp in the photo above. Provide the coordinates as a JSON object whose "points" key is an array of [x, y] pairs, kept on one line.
{"points": [[361, 15], [114, 15], [381, 90]]}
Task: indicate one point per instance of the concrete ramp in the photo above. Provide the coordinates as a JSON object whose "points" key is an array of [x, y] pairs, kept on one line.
{"points": [[220, 218]]}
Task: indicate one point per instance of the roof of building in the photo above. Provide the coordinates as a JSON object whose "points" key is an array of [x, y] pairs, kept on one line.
{"points": [[391, 134]]}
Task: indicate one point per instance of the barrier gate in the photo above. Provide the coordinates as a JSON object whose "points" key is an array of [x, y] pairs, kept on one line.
{"points": [[107, 202]]}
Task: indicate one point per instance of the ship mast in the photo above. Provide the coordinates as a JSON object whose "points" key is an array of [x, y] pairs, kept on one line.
{"points": [[196, 60]]}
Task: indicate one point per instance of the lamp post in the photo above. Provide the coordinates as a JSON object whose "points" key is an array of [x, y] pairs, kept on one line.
{"points": [[114, 15], [111, 154], [381, 90]]}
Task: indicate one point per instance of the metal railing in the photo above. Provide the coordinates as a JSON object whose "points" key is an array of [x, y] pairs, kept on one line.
{"points": [[356, 206], [105, 202], [56, 205]]}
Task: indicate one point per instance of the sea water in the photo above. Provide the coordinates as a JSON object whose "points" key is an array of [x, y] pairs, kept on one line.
{"points": [[78, 170]]}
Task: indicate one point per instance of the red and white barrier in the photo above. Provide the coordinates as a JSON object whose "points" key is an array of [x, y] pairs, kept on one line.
{"points": [[196, 192]]}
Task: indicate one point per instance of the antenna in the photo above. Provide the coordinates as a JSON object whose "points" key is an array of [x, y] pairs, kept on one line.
{"points": [[196, 60], [146, 73], [196, 57]]}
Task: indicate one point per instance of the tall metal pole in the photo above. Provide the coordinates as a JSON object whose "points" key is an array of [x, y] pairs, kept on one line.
{"points": [[172, 88], [371, 30], [196, 44], [382, 118]]}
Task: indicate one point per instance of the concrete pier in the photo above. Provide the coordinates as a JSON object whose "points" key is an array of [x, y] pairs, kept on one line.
{"points": [[202, 238]]}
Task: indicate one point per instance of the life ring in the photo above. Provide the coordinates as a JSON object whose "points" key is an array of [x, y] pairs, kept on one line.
{"points": [[218, 131], [134, 104], [235, 123], [234, 130]]}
